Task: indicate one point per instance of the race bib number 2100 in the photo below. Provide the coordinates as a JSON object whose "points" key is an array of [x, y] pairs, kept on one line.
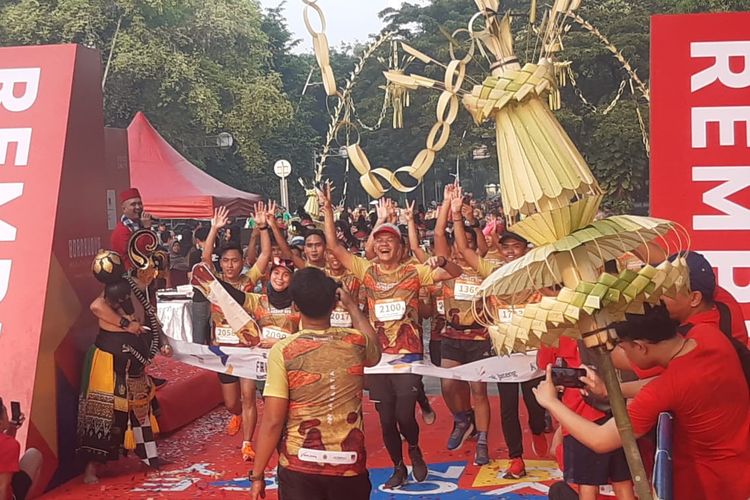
{"points": [[390, 310]]}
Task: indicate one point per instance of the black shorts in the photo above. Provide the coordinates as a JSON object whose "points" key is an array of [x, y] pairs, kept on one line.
{"points": [[20, 485], [465, 351], [435, 352], [300, 486], [227, 379], [584, 466], [385, 388]]}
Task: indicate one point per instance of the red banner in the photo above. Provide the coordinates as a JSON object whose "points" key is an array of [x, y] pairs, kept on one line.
{"points": [[700, 137], [53, 219]]}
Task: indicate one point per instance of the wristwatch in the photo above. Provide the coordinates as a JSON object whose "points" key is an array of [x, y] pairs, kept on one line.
{"points": [[445, 261], [124, 322]]}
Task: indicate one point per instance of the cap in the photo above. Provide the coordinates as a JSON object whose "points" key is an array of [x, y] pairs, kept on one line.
{"points": [[298, 241], [508, 235], [129, 194], [387, 228], [702, 278], [285, 263]]}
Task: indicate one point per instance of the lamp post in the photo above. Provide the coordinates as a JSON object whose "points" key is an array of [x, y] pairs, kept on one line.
{"points": [[282, 169]]}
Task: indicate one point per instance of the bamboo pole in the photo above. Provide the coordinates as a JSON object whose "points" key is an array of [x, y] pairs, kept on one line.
{"points": [[575, 267]]}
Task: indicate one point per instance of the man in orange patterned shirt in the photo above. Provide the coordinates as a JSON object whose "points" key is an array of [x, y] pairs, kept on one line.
{"points": [[313, 399], [392, 288]]}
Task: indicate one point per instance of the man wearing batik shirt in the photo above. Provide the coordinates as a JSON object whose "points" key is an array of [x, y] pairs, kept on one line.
{"points": [[313, 399], [393, 301]]}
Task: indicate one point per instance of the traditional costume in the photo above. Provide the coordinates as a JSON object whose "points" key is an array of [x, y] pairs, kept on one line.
{"points": [[117, 404]]}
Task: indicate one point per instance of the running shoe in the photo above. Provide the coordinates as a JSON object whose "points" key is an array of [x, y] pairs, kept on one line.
{"points": [[539, 445], [234, 425], [398, 478], [248, 454], [482, 455], [418, 467], [459, 435], [517, 469]]}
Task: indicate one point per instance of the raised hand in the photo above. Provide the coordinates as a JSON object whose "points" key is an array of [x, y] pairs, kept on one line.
{"points": [[408, 211], [271, 210], [382, 210], [392, 215], [220, 218], [457, 201], [261, 218], [324, 195]]}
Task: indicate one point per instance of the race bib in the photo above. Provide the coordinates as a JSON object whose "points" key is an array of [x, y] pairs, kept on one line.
{"points": [[440, 304], [390, 309], [272, 332], [279, 312], [465, 290], [506, 313], [341, 319], [225, 335]]}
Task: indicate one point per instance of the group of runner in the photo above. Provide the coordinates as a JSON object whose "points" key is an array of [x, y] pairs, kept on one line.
{"points": [[401, 286], [329, 305]]}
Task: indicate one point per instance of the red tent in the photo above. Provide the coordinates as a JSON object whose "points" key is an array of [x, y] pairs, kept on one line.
{"points": [[171, 186]]}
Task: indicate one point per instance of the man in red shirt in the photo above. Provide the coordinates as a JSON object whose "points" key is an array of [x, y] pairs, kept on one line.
{"points": [[711, 454], [17, 476], [133, 218]]}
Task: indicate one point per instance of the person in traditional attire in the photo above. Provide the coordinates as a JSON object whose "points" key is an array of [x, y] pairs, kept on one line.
{"points": [[117, 408]]}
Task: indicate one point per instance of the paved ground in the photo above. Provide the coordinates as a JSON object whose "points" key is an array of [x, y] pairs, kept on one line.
{"points": [[206, 463]]}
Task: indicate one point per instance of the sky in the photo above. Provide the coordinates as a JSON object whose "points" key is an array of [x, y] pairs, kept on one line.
{"points": [[347, 20]]}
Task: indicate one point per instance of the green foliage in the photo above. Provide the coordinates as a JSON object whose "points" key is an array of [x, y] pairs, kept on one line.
{"points": [[200, 67]]}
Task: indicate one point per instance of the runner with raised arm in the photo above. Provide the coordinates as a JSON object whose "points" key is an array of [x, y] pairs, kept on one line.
{"points": [[464, 339], [392, 289]]}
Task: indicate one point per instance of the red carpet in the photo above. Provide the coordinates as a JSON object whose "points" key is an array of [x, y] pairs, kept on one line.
{"points": [[189, 393], [207, 463]]}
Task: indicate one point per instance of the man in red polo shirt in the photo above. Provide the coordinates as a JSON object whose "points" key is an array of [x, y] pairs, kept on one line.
{"points": [[699, 386], [133, 218]]}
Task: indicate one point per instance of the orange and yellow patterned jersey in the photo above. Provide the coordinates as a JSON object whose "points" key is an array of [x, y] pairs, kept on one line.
{"points": [[458, 296], [271, 323], [393, 303], [340, 317], [437, 321], [494, 257], [222, 333], [321, 373]]}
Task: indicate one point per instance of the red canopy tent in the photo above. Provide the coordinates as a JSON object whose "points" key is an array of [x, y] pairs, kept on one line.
{"points": [[171, 186]]}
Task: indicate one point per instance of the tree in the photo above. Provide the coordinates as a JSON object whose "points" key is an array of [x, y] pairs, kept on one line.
{"points": [[196, 68]]}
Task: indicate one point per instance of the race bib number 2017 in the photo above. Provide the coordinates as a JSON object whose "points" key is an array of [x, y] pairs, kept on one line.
{"points": [[390, 310], [341, 319]]}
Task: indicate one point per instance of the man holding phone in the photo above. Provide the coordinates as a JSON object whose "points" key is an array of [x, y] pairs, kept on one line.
{"points": [[17, 476]]}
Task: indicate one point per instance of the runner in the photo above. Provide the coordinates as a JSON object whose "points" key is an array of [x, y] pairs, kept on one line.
{"points": [[313, 399], [464, 339], [513, 247], [238, 394], [392, 293]]}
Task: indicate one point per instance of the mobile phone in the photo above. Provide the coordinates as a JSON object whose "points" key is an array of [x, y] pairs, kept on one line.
{"points": [[568, 377], [15, 412]]}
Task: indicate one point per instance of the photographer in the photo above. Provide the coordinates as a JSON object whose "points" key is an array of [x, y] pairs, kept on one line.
{"points": [[699, 387], [17, 476]]}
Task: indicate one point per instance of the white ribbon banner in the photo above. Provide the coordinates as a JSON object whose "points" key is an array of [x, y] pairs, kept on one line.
{"points": [[251, 363]]}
